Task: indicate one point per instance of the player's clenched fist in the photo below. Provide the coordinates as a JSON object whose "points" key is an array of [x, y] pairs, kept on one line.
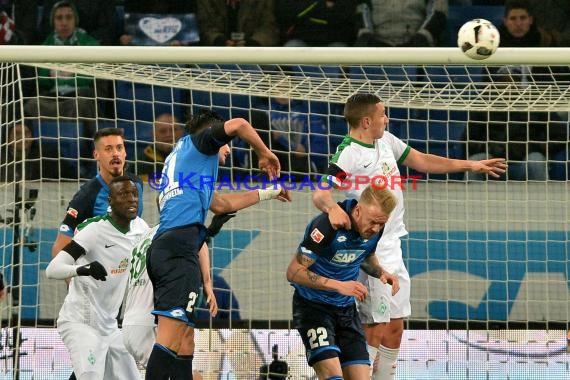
{"points": [[94, 269]]}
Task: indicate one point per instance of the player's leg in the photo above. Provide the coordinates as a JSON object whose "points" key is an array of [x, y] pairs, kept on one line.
{"points": [[119, 364], [183, 365], [392, 332], [316, 325], [139, 341], [350, 339], [172, 266], [374, 313], [87, 350], [328, 369]]}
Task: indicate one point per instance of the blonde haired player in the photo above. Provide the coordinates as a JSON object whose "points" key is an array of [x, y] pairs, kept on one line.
{"points": [[369, 150]]}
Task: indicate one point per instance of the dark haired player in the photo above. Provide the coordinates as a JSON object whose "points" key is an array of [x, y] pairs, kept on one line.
{"points": [[172, 262], [92, 198], [96, 260]]}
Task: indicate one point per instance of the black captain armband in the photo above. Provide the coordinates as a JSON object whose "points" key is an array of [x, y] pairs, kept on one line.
{"points": [[74, 249], [219, 133]]}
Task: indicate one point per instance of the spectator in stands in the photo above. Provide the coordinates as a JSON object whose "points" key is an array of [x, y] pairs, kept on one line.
{"points": [[237, 22], [519, 29], [178, 10], [167, 130], [401, 23], [97, 19], [316, 23], [553, 16], [22, 154], [17, 22], [64, 94]]}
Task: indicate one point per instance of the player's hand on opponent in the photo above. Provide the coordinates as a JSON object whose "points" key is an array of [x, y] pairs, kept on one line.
{"points": [[269, 164], [388, 278], [339, 218], [493, 167], [353, 289], [274, 192], [93, 269], [211, 299]]}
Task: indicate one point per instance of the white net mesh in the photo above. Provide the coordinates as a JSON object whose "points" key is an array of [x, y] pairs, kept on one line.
{"points": [[481, 254]]}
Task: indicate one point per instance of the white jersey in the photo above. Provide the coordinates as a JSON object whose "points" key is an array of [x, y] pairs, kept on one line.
{"points": [[140, 297], [369, 161], [93, 302]]}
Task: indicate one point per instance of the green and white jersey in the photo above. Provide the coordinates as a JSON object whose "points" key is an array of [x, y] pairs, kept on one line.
{"points": [[372, 162], [93, 302], [140, 296]]}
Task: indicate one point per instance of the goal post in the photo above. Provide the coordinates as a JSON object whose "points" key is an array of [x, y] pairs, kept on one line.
{"points": [[482, 255]]}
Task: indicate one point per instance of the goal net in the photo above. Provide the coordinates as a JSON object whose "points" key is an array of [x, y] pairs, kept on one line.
{"points": [[488, 259]]}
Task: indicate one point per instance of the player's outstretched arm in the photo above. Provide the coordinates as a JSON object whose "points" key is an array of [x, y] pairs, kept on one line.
{"points": [[298, 272], [268, 161], [431, 163], [372, 267], [232, 202]]}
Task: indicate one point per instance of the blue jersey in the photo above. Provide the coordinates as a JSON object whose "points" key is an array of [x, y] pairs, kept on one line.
{"points": [[191, 170], [337, 255], [92, 199]]}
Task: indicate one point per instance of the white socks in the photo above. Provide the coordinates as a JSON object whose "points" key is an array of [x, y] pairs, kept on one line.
{"points": [[373, 355], [386, 368]]}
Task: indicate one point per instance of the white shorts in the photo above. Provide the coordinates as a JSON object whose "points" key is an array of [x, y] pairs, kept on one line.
{"points": [[139, 341], [380, 306], [104, 355]]}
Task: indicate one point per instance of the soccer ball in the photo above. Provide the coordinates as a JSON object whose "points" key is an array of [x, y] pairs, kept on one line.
{"points": [[478, 39]]}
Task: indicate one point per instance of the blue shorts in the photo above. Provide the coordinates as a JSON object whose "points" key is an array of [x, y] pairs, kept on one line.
{"points": [[173, 268], [328, 331]]}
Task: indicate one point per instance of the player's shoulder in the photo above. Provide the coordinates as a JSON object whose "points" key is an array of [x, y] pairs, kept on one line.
{"points": [[350, 150], [91, 223], [89, 189], [320, 229], [149, 234], [389, 138], [139, 225]]}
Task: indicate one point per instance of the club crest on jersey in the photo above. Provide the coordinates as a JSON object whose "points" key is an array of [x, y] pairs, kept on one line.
{"points": [[317, 235], [72, 212], [122, 267]]}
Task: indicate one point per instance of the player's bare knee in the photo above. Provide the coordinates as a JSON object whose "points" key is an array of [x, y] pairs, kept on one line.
{"points": [[326, 365], [374, 333], [393, 333], [187, 345]]}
